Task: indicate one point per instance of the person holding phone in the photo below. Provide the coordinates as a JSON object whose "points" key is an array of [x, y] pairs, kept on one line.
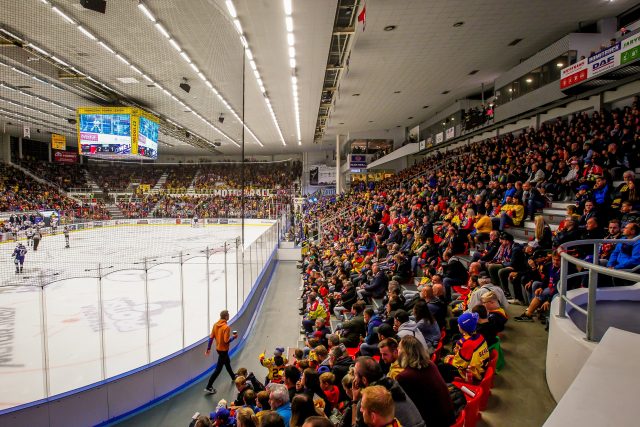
{"points": [[223, 336]]}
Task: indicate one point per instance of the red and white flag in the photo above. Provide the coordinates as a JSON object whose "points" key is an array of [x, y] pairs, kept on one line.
{"points": [[362, 16]]}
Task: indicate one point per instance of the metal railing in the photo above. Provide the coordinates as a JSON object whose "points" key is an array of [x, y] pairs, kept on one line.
{"points": [[119, 314], [593, 269]]}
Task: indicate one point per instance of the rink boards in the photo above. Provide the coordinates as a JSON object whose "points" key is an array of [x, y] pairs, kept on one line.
{"points": [[88, 323]]}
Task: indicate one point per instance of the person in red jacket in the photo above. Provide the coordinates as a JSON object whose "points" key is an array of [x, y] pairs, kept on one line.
{"points": [[221, 334]]}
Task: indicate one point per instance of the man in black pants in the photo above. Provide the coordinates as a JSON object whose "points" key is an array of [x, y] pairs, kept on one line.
{"points": [[222, 335]]}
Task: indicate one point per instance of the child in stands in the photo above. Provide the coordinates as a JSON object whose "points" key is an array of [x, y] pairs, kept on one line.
{"points": [[330, 390], [470, 353]]}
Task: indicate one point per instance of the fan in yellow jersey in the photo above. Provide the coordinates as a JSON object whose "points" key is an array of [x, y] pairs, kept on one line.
{"points": [[275, 365]]}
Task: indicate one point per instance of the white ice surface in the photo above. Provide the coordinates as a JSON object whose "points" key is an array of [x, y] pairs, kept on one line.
{"points": [[71, 300]]}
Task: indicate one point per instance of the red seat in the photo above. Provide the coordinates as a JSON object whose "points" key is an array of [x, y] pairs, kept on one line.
{"points": [[352, 351], [472, 410], [460, 420], [486, 384], [493, 361]]}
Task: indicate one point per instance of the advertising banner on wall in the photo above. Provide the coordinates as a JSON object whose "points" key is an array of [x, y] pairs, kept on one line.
{"points": [[414, 134], [358, 161], [450, 133], [58, 142], [423, 145], [65, 157], [439, 137], [602, 62], [322, 175]]}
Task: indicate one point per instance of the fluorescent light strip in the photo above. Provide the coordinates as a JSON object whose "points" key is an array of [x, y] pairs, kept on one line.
{"points": [[106, 47], [288, 10], [38, 49], [162, 30], [61, 13], [175, 45], [256, 73], [184, 56], [146, 11], [19, 71], [59, 61], [122, 59], [86, 32]]}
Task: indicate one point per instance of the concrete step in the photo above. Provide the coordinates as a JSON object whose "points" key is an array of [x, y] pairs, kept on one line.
{"points": [[531, 226], [561, 205]]}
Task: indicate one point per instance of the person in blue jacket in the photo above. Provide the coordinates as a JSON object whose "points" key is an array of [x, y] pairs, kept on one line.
{"points": [[626, 255], [370, 345]]}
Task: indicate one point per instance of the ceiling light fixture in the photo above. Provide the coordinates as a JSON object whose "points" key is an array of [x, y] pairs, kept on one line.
{"points": [[106, 47], [390, 28], [288, 19], [559, 65], [175, 45], [146, 12], [86, 32], [59, 61], [39, 49], [231, 8], [458, 24], [61, 13], [162, 30]]}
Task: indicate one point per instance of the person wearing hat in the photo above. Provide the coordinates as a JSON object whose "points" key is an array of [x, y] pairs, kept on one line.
{"points": [[275, 365], [470, 353]]}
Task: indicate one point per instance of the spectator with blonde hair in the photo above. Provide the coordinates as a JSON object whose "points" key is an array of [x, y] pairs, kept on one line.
{"points": [[245, 417], [422, 382]]}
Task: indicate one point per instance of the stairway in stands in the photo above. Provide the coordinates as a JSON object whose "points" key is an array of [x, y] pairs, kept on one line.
{"points": [[91, 183], [158, 187], [192, 188], [114, 211]]}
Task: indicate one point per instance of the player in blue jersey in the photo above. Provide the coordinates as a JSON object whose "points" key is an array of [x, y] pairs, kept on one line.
{"points": [[18, 254]]}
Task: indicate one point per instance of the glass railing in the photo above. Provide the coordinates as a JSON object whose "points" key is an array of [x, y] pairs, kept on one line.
{"points": [[594, 273], [66, 325]]}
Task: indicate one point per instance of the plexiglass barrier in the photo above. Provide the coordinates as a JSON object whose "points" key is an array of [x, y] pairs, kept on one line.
{"points": [[60, 335]]}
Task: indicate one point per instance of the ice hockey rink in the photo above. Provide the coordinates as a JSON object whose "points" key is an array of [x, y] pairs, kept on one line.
{"points": [[111, 274]]}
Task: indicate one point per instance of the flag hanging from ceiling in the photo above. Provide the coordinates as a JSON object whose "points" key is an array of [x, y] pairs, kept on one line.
{"points": [[362, 16]]}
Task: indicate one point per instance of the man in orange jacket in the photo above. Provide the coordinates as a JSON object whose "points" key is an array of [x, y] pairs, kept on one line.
{"points": [[221, 333]]}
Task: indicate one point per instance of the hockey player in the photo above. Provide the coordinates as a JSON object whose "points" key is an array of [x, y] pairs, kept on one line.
{"points": [[29, 232], [66, 237], [194, 223], [18, 254]]}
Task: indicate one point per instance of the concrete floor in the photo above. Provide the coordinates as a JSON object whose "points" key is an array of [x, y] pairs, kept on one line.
{"points": [[277, 326], [520, 396]]}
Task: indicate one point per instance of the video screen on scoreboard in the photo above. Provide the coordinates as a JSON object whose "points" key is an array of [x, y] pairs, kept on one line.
{"points": [[148, 138], [105, 133]]}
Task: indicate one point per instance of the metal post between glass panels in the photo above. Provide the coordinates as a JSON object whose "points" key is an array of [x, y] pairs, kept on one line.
{"points": [[591, 302], [146, 309], [562, 304], [208, 289], [250, 273], [43, 332], [226, 278], [103, 359], [238, 276], [182, 297]]}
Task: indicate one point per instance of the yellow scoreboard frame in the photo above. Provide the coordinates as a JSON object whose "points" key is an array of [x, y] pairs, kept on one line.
{"points": [[134, 113]]}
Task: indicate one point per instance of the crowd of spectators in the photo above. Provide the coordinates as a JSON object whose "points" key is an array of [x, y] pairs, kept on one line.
{"points": [[257, 175], [212, 206], [445, 225], [118, 177], [65, 176], [20, 193], [477, 116]]}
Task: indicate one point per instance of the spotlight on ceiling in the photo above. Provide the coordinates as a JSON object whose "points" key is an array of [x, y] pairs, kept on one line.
{"points": [[185, 86], [458, 24], [390, 28], [221, 118]]}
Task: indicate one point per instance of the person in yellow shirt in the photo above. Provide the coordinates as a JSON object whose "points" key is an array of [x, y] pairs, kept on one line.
{"points": [[483, 227], [275, 365], [512, 214], [470, 354]]}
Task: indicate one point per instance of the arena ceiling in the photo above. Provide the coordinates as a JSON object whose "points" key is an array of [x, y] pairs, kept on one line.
{"points": [[424, 56]]}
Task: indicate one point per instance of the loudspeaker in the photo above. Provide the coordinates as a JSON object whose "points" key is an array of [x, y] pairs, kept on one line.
{"points": [[185, 87], [97, 5]]}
